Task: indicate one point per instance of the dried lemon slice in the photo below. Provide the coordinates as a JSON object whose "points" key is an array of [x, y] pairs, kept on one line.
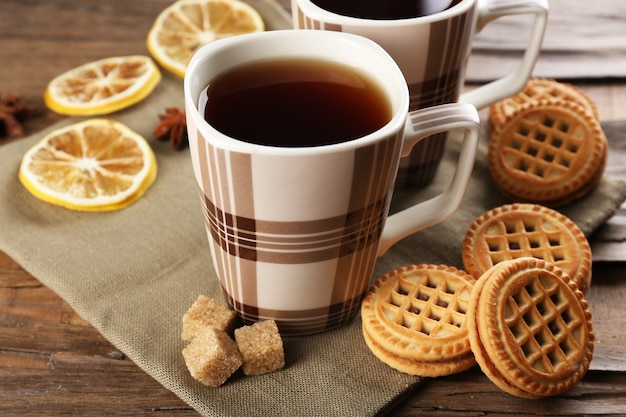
{"points": [[94, 165], [103, 86], [185, 26]]}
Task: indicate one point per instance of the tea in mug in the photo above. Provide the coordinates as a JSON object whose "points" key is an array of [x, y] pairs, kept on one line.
{"points": [[295, 103], [385, 9]]}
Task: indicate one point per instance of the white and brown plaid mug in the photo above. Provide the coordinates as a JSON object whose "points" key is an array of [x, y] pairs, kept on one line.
{"points": [[294, 232], [432, 50]]}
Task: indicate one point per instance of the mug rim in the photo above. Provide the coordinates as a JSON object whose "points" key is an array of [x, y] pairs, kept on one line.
{"points": [[193, 86], [315, 12]]}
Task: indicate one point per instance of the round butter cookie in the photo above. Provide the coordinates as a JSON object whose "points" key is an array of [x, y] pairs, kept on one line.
{"points": [[413, 320], [530, 328], [520, 230], [535, 90], [551, 152]]}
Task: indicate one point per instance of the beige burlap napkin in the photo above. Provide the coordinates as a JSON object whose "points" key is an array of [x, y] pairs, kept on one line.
{"points": [[133, 273]]}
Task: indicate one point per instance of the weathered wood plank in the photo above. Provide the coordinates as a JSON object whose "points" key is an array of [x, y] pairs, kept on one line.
{"points": [[457, 395], [583, 40]]}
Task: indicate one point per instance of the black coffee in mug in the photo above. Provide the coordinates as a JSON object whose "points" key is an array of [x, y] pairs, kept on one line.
{"points": [[295, 103], [385, 9]]}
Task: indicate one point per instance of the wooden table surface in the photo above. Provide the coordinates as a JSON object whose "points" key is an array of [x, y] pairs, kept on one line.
{"points": [[54, 363]]}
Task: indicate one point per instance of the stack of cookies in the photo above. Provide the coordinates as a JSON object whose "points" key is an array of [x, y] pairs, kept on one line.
{"points": [[518, 311], [414, 320], [546, 145], [530, 328]]}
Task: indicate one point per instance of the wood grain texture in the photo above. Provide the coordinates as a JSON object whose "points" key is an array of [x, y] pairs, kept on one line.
{"points": [[587, 33], [54, 363]]}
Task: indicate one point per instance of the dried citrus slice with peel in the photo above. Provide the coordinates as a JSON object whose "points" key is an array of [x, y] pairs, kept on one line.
{"points": [[103, 86], [94, 165], [185, 26]]}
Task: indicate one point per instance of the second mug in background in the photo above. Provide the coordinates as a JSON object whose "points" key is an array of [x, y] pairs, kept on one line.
{"points": [[431, 41]]}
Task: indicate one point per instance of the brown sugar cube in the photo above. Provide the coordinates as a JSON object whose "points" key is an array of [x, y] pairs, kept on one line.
{"points": [[206, 312], [261, 348], [211, 357]]}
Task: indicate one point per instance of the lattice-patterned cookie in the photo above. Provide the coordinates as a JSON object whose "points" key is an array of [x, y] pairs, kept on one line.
{"points": [[538, 89], [530, 328], [550, 152], [520, 230], [414, 319]]}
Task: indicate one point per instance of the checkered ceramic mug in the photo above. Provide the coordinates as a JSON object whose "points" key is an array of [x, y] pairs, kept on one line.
{"points": [[294, 232], [432, 51]]}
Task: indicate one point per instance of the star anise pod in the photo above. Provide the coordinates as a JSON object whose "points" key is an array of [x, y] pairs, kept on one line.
{"points": [[173, 127], [12, 113]]}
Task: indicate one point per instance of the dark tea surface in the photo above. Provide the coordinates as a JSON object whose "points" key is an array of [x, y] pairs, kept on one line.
{"points": [[295, 103], [385, 9]]}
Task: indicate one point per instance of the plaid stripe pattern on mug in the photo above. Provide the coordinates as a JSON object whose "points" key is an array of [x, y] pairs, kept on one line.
{"points": [[254, 253]]}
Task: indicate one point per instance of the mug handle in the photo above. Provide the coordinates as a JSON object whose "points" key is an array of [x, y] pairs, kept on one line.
{"points": [[513, 83], [420, 125]]}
